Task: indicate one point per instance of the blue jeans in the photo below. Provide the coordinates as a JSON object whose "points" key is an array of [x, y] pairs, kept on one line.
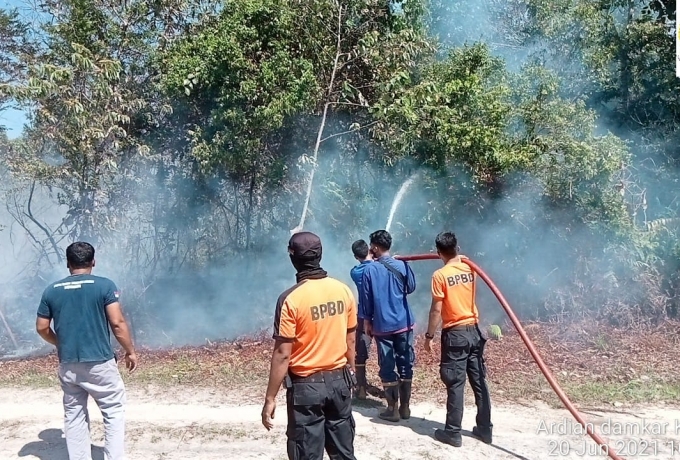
{"points": [[395, 351]]}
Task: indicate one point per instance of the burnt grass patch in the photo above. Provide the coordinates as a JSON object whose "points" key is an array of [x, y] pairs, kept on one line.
{"points": [[596, 365]]}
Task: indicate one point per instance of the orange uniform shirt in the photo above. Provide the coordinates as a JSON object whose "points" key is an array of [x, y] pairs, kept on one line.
{"points": [[316, 316], [454, 285]]}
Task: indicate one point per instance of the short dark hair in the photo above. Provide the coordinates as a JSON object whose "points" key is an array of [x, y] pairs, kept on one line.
{"points": [[447, 244], [382, 239], [360, 249], [80, 255]]}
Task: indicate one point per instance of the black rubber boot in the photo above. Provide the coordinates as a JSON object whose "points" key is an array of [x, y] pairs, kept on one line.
{"points": [[361, 382], [485, 437], [392, 412], [452, 439], [405, 399]]}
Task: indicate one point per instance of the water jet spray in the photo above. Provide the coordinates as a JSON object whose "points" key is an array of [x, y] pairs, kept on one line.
{"points": [[544, 369], [397, 199]]}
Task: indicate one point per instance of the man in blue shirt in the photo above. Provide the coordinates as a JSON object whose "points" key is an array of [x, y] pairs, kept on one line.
{"points": [[83, 306], [363, 340], [388, 317]]}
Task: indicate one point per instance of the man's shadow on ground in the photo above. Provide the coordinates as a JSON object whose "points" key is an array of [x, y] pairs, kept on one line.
{"points": [[370, 408], [53, 447]]}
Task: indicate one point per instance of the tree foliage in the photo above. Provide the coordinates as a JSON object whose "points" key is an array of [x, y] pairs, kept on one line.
{"points": [[180, 134]]}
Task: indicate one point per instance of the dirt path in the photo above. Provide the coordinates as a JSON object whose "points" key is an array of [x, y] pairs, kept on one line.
{"points": [[207, 425]]}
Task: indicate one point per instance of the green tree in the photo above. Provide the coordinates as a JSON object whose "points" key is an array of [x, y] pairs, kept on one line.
{"points": [[16, 52], [90, 101], [258, 82]]}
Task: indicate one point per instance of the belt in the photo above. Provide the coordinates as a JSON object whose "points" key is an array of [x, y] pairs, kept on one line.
{"points": [[319, 377], [462, 327]]}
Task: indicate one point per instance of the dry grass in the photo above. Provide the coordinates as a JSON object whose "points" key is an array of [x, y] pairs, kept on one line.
{"points": [[595, 365]]}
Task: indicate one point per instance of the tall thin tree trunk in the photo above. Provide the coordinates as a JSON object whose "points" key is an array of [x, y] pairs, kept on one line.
{"points": [[249, 212], [338, 53], [237, 223]]}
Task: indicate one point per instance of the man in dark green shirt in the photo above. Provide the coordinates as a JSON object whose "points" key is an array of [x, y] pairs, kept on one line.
{"points": [[82, 307]]}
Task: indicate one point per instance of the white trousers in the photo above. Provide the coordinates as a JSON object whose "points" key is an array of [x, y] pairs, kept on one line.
{"points": [[104, 383]]}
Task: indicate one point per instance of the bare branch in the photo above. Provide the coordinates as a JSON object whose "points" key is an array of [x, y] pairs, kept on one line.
{"points": [[9, 331], [22, 224], [50, 236], [350, 131]]}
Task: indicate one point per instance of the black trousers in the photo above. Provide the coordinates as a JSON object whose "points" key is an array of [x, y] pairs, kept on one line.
{"points": [[463, 356], [363, 344], [320, 417]]}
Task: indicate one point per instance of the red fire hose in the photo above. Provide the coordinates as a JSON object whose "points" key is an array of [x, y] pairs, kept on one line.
{"points": [[546, 372]]}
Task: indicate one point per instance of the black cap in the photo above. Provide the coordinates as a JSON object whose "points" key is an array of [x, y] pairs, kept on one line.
{"points": [[305, 245]]}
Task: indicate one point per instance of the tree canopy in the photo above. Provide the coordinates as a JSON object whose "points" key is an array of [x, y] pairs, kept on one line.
{"points": [[179, 136]]}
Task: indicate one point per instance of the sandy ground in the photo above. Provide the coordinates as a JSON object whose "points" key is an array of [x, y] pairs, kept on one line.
{"points": [[203, 424]]}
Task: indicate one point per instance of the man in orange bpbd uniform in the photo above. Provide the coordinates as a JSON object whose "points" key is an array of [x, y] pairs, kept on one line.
{"points": [[462, 342], [314, 330]]}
